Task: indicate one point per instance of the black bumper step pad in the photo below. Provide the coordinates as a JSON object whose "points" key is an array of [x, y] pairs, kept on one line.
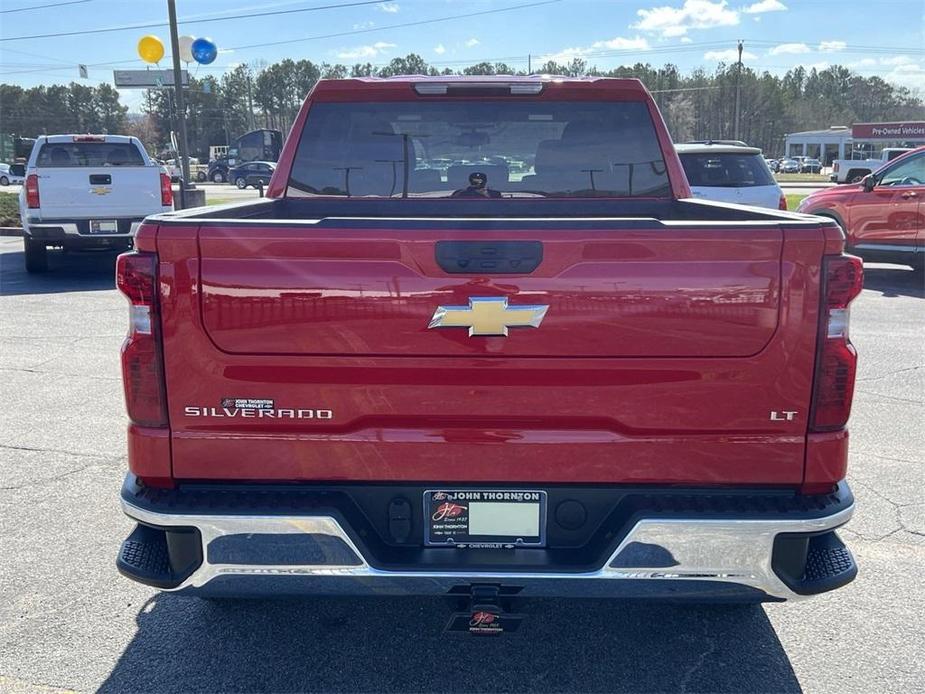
{"points": [[160, 557]]}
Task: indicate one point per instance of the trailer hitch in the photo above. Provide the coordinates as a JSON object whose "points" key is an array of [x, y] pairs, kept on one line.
{"points": [[484, 609]]}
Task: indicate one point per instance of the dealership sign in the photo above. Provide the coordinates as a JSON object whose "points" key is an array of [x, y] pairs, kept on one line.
{"points": [[889, 131]]}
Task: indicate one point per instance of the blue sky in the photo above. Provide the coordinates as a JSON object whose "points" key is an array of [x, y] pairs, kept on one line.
{"points": [[884, 37]]}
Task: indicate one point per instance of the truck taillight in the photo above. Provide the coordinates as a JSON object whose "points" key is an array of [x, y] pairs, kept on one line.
{"points": [[32, 192], [836, 363], [166, 191], [142, 361], [782, 203]]}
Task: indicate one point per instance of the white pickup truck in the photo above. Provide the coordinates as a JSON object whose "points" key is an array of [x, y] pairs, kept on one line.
{"points": [[853, 170], [88, 191]]}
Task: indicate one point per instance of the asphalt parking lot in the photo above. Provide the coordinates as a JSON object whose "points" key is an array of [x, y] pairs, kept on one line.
{"points": [[68, 621]]}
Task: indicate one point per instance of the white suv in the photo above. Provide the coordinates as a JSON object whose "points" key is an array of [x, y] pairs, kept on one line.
{"points": [[728, 173]]}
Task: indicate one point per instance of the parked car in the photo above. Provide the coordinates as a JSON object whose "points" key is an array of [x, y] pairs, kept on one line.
{"points": [[9, 179], [253, 173], [88, 192], [728, 173], [773, 164], [882, 216], [853, 170], [585, 384], [789, 166], [811, 166]]}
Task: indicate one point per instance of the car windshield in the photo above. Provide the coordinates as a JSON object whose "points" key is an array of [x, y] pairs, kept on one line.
{"points": [[479, 149], [74, 154], [726, 170]]}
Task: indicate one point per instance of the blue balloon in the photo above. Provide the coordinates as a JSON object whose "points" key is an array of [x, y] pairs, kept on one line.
{"points": [[204, 51]]}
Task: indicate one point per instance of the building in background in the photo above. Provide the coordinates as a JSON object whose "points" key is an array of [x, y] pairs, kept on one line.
{"points": [[860, 141]]}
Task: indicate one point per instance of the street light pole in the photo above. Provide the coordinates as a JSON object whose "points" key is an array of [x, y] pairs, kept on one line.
{"points": [[738, 97], [180, 100]]}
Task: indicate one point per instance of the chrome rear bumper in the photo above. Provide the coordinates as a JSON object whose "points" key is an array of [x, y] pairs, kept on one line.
{"points": [[662, 552]]}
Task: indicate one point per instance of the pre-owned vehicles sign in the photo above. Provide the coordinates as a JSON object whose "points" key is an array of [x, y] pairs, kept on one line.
{"points": [[912, 130]]}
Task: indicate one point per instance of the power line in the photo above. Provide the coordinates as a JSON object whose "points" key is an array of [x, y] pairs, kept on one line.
{"points": [[249, 15], [42, 7], [398, 26]]}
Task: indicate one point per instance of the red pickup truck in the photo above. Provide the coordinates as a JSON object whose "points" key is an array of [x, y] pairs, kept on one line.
{"points": [[479, 341]]}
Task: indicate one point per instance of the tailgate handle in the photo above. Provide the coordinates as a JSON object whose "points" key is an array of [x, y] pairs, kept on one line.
{"points": [[495, 257], [100, 179]]}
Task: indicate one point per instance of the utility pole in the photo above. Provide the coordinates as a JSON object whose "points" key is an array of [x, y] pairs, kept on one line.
{"points": [[250, 101], [738, 95], [529, 64], [180, 101]]}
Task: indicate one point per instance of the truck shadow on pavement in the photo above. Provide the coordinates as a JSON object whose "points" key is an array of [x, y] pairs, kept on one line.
{"points": [[894, 280], [398, 645], [67, 272]]}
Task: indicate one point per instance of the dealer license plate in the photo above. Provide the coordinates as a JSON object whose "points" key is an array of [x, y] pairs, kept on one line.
{"points": [[104, 226], [485, 518]]}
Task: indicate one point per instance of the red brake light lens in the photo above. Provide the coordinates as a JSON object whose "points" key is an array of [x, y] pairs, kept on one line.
{"points": [[142, 362], [782, 203], [166, 191], [32, 191], [836, 365]]}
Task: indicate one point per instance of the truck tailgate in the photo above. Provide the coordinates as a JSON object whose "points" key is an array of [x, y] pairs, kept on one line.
{"points": [[663, 352], [99, 192]]}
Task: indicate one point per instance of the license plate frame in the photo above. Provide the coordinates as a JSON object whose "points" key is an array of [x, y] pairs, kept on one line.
{"points": [[104, 226], [487, 512]]}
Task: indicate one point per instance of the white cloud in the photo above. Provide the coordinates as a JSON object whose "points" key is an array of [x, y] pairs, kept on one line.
{"points": [[730, 55], [897, 60], [389, 7], [790, 49], [439, 49], [370, 51], [693, 14], [472, 42], [818, 67], [911, 75], [363, 25], [765, 6], [618, 43], [686, 39], [832, 46]]}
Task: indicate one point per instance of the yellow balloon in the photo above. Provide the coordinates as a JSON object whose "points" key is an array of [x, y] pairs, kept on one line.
{"points": [[151, 49]]}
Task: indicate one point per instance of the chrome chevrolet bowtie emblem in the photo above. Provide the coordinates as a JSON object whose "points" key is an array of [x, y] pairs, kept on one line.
{"points": [[488, 315]]}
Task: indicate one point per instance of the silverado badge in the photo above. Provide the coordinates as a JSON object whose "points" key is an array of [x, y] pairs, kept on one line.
{"points": [[488, 315]]}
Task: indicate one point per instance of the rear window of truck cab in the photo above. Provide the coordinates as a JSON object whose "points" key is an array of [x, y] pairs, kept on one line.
{"points": [[90, 154], [479, 149]]}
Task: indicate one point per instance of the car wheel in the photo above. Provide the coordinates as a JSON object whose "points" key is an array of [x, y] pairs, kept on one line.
{"points": [[36, 256], [201, 176], [240, 183], [4, 181], [218, 177]]}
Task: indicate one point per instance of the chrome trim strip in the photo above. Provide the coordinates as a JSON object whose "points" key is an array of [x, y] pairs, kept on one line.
{"points": [[730, 551], [888, 247]]}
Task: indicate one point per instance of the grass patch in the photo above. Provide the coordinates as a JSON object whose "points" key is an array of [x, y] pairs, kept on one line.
{"points": [[9, 210], [802, 178], [794, 200], [219, 201]]}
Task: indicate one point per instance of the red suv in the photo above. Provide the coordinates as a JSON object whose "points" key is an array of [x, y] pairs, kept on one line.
{"points": [[883, 216]]}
